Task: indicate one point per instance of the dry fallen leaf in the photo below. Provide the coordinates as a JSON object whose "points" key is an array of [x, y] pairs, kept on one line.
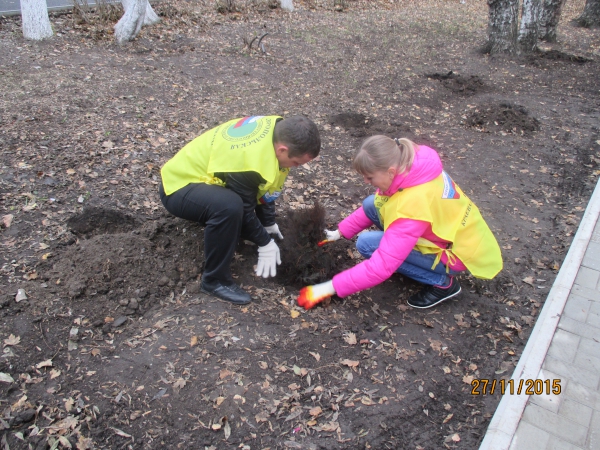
{"points": [[468, 379], [47, 363], [528, 280], [316, 411], [316, 356], [350, 338], [180, 383], [120, 433], [194, 341], [294, 313], [12, 340], [7, 220], [69, 403], [349, 363], [261, 417], [226, 429], [367, 401], [6, 378], [435, 345], [329, 427]]}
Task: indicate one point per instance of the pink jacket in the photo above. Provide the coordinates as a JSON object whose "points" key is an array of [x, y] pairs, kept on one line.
{"points": [[399, 238]]}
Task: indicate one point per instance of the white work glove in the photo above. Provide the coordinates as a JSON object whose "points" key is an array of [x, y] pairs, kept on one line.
{"points": [[268, 258], [330, 236], [274, 229]]}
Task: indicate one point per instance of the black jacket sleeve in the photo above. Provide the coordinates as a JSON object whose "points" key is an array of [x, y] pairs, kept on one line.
{"points": [[266, 213], [246, 184]]}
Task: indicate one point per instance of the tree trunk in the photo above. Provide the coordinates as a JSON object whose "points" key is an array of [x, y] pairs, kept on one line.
{"points": [[287, 5], [36, 23], [502, 26], [528, 33], [550, 11], [128, 27], [151, 17], [137, 14], [590, 17]]}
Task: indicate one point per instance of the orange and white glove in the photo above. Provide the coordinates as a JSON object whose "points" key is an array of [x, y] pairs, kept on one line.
{"points": [[330, 236], [311, 296]]}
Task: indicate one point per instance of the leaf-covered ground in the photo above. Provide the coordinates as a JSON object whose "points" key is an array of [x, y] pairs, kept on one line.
{"points": [[107, 341]]}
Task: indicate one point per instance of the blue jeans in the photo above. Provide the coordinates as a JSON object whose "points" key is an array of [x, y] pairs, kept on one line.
{"points": [[416, 265]]}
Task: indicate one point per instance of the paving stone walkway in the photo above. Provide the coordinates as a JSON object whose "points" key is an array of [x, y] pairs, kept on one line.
{"points": [[561, 361]]}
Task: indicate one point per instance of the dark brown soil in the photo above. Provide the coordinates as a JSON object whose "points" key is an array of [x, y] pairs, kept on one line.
{"points": [[458, 84], [503, 117], [115, 346]]}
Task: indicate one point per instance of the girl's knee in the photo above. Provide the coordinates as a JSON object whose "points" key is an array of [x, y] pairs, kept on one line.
{"points": [[369, 203], [364, 245]]}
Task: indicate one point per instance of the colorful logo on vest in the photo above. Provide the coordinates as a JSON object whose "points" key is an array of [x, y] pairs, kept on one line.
{"points": [[244, 128], [450, 190]]}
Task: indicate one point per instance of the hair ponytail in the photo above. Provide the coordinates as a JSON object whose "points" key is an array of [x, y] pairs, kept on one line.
{"points": [[379, 153]]}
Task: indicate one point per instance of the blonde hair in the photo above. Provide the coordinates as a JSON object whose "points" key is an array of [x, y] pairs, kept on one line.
{"points": [[379, 153]]}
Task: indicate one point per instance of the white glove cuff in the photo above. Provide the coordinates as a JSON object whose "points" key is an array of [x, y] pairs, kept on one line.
{"points": [[323, 289], [333, 235]]}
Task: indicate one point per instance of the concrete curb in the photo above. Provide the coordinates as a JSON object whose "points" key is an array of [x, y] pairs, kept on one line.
{"points": [[506, 419]]}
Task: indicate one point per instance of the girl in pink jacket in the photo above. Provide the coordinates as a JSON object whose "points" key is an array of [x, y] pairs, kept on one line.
{"points": [[428, 229]]}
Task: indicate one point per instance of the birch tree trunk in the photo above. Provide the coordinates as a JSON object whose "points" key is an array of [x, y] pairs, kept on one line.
{"points": [[287, 5], [528, 33], [128, 27], [36, 23], [590, 16], [151, 17], [502, 26], [550, 11], [137, 14]]}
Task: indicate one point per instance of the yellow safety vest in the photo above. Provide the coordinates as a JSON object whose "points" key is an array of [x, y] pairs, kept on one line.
{"points": [[453, 217], [240, 145]]}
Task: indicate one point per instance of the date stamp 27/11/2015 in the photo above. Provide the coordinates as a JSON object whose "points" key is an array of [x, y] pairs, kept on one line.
{"points": [[485, 386]]}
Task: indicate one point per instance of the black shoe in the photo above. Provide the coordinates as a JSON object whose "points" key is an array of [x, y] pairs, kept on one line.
{"points": [[230, 293], [432, 295]]}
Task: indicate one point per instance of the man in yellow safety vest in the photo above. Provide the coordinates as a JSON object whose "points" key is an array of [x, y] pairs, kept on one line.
{"points": [[227, 179]]}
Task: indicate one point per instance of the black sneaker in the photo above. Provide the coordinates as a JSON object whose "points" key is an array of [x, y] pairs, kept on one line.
{"points": [[432, 295], [230, 293]]}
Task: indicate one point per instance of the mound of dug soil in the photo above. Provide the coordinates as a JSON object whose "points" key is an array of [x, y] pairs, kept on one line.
{"points": [[504, 117], [557, 55], [93, 221], [308, 263], [359, 125], [459, 84]]}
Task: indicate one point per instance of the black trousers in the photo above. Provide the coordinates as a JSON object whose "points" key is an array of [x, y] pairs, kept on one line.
{"points": [[220, 211]]}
